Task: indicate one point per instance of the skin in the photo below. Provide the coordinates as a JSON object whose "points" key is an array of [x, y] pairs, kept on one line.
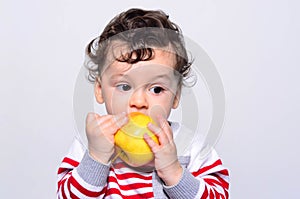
{"points": [[150, 87]]}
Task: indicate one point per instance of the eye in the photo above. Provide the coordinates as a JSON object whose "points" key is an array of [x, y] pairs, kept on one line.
{"points": [[123, 87], [156, 89]]}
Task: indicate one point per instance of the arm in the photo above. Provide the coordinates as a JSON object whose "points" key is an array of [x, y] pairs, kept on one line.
{"points": [[204, 178], [210, 180], [84, 173], [82, 180]]}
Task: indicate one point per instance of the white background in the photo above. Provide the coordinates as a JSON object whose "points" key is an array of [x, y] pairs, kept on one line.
{"points": [[254, 44]]}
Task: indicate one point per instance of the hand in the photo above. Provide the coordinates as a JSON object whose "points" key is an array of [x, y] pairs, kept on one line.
{"points": [[165, 154], [100, 131]]}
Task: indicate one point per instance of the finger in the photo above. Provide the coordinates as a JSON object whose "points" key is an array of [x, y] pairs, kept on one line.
{"points": [[160, 134], [112, 123], [92, 120], [120, 119], [95, 119], [153, 145], [164, 124], [91, 117]]}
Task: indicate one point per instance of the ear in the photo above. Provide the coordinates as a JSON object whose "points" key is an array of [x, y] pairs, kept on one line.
{"points": [[98, 91], [177, 98]]}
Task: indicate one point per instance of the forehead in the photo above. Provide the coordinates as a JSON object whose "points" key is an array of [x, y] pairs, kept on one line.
{"points": [[163, 62], [163, 57], [117, 49]]}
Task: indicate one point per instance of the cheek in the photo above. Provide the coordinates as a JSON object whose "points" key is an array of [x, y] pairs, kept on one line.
{"points": [[161, 106], [117, 102]]}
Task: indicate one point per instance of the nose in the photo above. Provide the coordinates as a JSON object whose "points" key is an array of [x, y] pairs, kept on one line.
{"points": [[138, 99]]}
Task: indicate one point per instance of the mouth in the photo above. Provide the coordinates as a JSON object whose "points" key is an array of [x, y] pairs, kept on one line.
{"points": [[135, 111]]}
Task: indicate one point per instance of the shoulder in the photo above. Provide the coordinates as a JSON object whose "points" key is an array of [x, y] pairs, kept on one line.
{"points": [[77, 150], [186, 139], [192, 150]]}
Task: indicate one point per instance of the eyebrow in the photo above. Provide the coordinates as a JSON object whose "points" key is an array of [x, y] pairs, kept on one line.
{"points": [[162, 78], [118, 76]]}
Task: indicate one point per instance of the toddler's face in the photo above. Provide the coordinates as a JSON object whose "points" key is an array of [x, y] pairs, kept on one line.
{"points": [[150, 87]]}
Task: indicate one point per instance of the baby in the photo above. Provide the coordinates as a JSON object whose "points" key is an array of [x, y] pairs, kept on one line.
{"points": [[139, 64]]}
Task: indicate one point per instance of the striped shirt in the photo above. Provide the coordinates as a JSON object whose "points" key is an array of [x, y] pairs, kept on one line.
{"points": [[80, 176]]}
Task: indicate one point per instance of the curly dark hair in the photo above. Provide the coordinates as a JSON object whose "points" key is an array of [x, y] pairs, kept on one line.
{"points": [[142, 31]]}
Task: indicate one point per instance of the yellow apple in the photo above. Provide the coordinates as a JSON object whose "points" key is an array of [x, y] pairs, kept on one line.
{"points": [[130, 140]]}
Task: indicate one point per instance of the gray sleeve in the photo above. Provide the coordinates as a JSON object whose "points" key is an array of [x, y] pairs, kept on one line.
{"points": [[93, 172], [187, 187]]}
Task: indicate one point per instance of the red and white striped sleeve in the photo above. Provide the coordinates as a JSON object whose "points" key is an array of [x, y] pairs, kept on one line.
{"points": [[79, 176], [203, 178], [213, 177]]}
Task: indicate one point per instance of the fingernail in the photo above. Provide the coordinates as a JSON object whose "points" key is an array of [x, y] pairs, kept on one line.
{"points": [[124, 120], [120, 115], [150, 125], [123, 114]]}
